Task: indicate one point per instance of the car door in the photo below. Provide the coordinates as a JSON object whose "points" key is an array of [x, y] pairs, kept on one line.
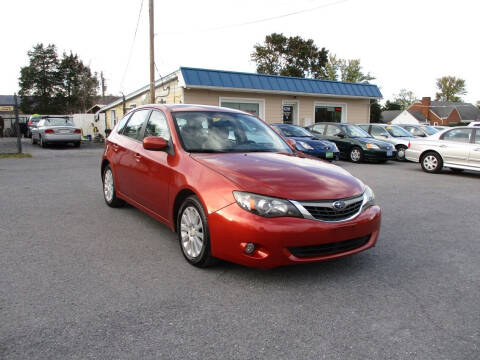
{"points": [[154, 167], [126, 146], [334, 134], [454, 146], [474, 151]]}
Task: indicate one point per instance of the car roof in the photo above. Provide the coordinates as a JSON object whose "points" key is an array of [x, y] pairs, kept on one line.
{"points": [[191, 107]]}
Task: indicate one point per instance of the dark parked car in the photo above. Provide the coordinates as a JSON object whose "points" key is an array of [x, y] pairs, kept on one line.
{"points": [[354, 143], [307, 143]]}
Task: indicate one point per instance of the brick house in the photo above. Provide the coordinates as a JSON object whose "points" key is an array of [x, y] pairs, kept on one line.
{"points": [[444, 113]]}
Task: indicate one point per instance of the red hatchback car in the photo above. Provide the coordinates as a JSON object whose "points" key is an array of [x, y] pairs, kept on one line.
{"points": [[233, 189]]}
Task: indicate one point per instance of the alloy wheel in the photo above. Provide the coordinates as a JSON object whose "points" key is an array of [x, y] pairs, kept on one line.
{"points": [[355, 155], [430, 162], [108, 188], [191, 232]]}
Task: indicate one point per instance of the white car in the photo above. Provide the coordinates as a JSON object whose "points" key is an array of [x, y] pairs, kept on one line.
{"points": [[457, 148], [474, 123]]}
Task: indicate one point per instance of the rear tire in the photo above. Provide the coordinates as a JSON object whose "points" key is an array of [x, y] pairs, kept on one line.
{"points": [[431, 162], [43, 144], [194, 234], [33, 140], [356, 154], [109, 192]]}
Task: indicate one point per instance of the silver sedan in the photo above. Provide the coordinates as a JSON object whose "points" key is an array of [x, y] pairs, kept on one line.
{"points": [[457, 149], [58, 130]]}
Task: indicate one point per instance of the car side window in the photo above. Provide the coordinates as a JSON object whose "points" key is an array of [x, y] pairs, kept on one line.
{"points": [[135, 124], [157, 125], [414, 131], [333, 130], [122, 122], [477, 136], [319, 129], [364, 127], [378, 131], [458, 135]]}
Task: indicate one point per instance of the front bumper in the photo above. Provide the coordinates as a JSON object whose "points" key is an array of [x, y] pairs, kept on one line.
{"points": [[231, 228], [412, 155], [62, 138], [379, 155], [323, 154]]}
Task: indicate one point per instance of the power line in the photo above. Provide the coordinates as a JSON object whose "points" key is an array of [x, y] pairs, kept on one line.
{"points": [[131, 47], [252, 22]]}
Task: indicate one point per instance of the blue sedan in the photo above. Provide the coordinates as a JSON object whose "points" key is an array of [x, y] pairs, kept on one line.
{"points": [[307, 142]]}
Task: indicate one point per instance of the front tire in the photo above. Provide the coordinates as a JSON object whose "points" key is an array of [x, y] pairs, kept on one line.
{"points": [[109, 192], [401, 153], [356, 154], [194, 234], [432, 162]]}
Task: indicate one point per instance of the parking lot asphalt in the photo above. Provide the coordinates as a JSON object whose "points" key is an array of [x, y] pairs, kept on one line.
{"points": [[79, 280]]}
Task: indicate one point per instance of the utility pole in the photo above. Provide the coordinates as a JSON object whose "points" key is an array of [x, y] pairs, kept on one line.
{"points": [[17, 125], [102, 79], [152, 57]]}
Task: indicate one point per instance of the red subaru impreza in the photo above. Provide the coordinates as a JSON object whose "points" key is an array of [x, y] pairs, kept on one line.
{"points": [[233, 189]]}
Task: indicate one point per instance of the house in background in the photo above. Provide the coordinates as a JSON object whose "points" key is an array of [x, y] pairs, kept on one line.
{"points": [[444, 113], [100, 102], [273, 98], [403, 117]]}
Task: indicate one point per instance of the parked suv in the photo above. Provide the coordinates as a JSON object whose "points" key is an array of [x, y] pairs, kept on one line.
{"points": [[353, 142], [392, 134]]}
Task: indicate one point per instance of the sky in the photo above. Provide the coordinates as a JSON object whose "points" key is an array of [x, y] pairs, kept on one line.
{"points": [[405, 44]]}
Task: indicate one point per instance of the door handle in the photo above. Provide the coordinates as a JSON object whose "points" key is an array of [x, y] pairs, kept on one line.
{"points": [[477, 149], [138, 157], [443, 146]]}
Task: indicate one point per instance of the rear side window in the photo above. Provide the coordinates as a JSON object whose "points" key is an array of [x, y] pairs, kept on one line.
{"points": [[122, 122], [458, 135], [378, 131], [135, 124], [477, 136], [364, 127], [157, 125]]}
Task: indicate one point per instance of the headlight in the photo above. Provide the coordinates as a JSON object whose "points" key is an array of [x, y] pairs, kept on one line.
{"points": [[305, 145], [372, 146], [265, 206], [368, 198]]}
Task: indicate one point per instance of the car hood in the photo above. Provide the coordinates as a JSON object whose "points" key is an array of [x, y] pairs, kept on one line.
{"points": [[313, 141], [380, 143], [289, 176]]}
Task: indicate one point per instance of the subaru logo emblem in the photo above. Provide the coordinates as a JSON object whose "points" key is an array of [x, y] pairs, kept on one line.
{"points": [[339, 205]]}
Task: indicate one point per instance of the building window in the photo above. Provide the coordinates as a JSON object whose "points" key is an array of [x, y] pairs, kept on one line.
{"points": [[328, 114], [113, 116], [253, 106]]}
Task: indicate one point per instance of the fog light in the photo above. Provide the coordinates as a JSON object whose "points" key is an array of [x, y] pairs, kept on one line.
{"points": [[250, 248]]}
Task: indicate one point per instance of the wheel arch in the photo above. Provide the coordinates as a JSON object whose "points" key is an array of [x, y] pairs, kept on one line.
{"points": [[179, 199], [429, 151], [105, 162]]}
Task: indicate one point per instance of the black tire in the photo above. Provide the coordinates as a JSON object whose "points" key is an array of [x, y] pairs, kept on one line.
{"points": [[76, 144], [204, 257], [112, 201], [401, 153], [431, 162], [356, 154], [43, 144], [456, 171]]}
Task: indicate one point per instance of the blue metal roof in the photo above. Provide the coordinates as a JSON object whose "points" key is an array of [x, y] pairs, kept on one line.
{"points": [[239, 80]]}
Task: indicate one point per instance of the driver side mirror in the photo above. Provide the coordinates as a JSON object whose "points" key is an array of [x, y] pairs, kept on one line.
{"points": [[292, 143], [155, 143], [340, 135]]}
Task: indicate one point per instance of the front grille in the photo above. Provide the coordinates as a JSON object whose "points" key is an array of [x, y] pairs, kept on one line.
{"points": [[325, 211], [330, 248]]}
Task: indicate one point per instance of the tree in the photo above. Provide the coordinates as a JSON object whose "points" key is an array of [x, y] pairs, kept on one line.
{"points": [[450, 88], [389, 105], [345, 70], [290, 56], [79, 86], [405, 98], [375, 112], [39, 80], [52, 86]]}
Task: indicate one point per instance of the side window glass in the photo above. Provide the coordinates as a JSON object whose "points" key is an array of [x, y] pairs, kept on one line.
{"points": [[319, 129], [378, 131], [122, 122], [458, 135], [157, 125], [364, 127], [134, 125], [332, 130], [477, 136]]}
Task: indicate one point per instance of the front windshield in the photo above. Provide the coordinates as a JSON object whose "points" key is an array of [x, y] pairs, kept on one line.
{"points": [[429, 130], [58, 122], [397, 131], [205, 131], [355, 131], [294, 131]]}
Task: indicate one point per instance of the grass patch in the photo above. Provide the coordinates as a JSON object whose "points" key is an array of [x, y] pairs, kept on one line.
{"points": [[15, 156]]}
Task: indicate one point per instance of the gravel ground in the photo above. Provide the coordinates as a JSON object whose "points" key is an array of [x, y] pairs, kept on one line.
{"points": [[79, 280]]}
